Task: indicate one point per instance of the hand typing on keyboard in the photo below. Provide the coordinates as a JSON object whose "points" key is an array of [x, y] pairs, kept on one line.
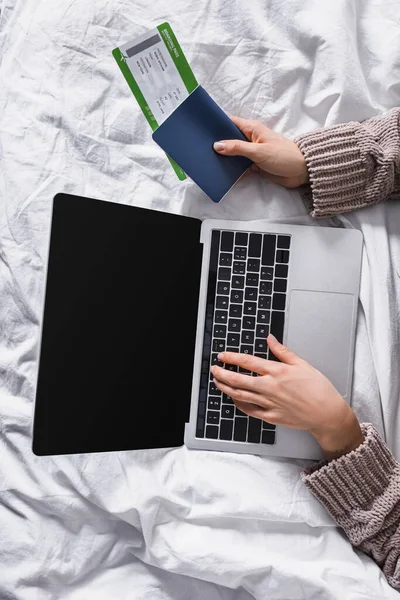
{"points": [[290, 393]]}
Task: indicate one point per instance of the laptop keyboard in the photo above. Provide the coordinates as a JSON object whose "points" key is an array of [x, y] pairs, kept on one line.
{"points": [[246, 300]]}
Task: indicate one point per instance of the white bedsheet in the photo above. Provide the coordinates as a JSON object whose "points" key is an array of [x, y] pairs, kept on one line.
{"points": [[178, 524]]}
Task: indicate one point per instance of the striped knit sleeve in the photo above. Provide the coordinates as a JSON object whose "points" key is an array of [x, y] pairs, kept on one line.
{"points": [[352, 165]]}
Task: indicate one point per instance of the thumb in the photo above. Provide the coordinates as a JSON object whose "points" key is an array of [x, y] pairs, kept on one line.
{"points": [[239, 148], [280, 351]]}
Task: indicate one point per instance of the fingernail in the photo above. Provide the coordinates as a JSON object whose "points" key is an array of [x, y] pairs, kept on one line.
{"points": [[219, 146], [272, 338], [221, 356]]}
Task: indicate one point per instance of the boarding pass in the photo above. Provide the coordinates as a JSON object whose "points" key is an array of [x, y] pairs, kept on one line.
{"points": [[158, 74]]}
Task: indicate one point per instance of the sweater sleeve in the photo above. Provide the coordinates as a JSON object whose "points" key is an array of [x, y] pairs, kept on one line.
{"points": [[352, 165], [361, 490]]}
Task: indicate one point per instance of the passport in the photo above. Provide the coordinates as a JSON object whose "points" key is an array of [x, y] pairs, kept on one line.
{"points": [[187, 135]]}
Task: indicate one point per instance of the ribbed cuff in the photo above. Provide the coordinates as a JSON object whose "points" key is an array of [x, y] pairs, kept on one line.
{"points": [[336, 169], [356, 479]]}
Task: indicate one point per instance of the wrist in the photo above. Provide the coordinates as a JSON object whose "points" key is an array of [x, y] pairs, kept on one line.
{"points": [[342, 439]]}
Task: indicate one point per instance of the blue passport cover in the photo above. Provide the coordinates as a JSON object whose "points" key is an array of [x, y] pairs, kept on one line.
{"points": [[188, 135]]}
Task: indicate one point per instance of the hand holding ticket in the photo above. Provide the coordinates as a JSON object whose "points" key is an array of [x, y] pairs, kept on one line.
{"points": [[185, 120]]}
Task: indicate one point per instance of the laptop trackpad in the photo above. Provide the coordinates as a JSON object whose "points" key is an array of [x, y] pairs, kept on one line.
{"points": [[320, 331]]}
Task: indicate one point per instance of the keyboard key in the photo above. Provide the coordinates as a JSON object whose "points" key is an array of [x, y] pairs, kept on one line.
{"points": [[252, 279], [266, 287], [268, 437], [227, 241], [248, 322], [218, 345], [282, 256], [244, 371], [284, 241], [263, 316], [240, 253], [254, 432], [279, 301], [224, 273], [228, 411], [225, 430], [261, 355], [250, 294], [253, 265], [246, 349], [221, 316], [239, 413], [264, 302], [232, 349], [222, 302], [236, 296], [204, 365], [239, 267], [234, 325], [223, 288], [200, 427], [226, 399], [280, 285], [262, 331], [268, 250], [276, 327], [212, 417], [210, 308], [238, 282], [209, 323], [250, 308], [212, 432], [225, 259], [268, 425], [215, 360], [201, 409], [260, 345], [231, 368], [247, 337], [267, 273], [213, 390], [240, 429], [241, 238], [281, 271], [235, 310], [214, 403], [219, 331], [255, 244], [233, 339], [207, 339]]}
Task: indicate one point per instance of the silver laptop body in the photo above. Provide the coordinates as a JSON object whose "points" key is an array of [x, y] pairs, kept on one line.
{"points": [[320, 320]]}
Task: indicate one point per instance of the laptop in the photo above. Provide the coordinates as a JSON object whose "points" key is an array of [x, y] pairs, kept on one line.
{"points": [[139, 302]]}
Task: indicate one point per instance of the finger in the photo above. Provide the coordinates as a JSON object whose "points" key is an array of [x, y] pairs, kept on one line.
{"points": [[280, 351], [253, 410], [250, 150], [235, 380], [249, 127], [248, 361], [238, 394]]}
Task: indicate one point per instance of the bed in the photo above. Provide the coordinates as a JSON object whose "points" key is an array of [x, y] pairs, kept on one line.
{"points": [[178, 524]]}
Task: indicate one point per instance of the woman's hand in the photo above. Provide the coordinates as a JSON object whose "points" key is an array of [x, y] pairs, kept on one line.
{"points": [[280, 158], [291, 393]]}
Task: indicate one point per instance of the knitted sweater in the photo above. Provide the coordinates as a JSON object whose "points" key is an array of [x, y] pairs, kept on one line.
{"points": [[351, 166]]}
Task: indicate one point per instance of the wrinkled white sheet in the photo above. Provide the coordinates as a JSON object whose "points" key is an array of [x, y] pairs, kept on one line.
{"points": [[176, 524]]}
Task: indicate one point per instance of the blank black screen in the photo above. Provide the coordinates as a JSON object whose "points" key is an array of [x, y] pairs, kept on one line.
{"points": [[118, 334]]}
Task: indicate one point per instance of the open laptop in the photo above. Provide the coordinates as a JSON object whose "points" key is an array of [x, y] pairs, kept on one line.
{"points": [[138, 304]]}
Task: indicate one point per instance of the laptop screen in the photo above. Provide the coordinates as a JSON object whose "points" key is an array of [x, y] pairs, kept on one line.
{"points": [[119, 326]]}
